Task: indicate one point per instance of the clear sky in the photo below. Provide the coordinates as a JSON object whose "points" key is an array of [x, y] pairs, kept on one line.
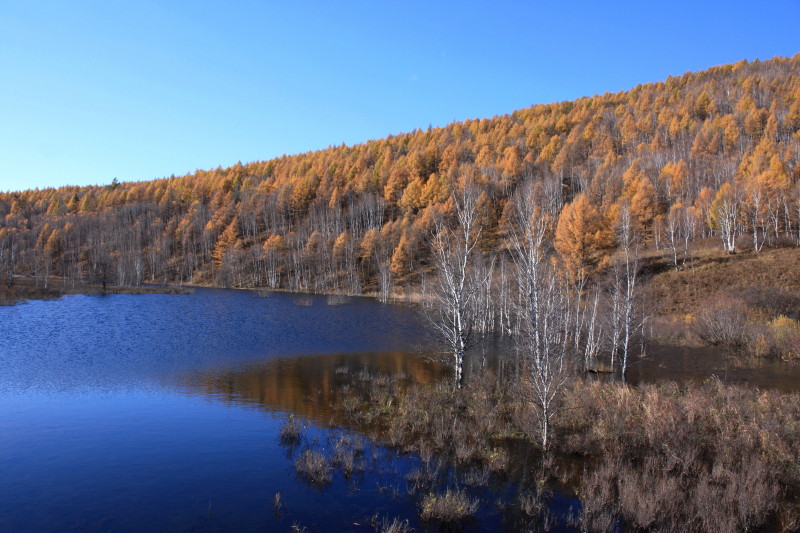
{"points": [[144, 89]]}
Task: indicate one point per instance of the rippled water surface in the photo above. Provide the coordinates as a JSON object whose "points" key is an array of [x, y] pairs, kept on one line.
{"points": [[96, 343], [135, 413]]}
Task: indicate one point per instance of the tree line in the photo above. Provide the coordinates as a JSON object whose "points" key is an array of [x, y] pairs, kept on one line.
{"points": [[708, 154]]}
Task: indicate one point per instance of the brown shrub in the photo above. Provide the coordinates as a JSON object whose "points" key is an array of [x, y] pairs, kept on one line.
{"points": [[723, 320], [772, 301], [711, 457], [785, 335]]}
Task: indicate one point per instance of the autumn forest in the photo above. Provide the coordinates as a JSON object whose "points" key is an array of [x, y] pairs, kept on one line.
{"points": [[705, 154]]}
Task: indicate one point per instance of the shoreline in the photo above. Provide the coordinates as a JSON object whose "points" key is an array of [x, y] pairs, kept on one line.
{"points": [[24, 290]]}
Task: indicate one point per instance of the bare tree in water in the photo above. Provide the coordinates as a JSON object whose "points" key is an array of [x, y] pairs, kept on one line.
{"points": [[454, 311], [544, 309]]}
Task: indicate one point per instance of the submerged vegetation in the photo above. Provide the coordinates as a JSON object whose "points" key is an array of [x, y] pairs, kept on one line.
{"points": [[384, 525], [709, 457], [314, 466], [291, 431], [449, 506]]}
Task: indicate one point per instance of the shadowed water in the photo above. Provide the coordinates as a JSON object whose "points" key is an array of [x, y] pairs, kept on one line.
{"points": [[697, 363]]}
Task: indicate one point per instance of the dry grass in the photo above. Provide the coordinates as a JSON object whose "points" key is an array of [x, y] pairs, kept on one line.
{"points": [[672, 292], [709, 458], [314, 467], [291, 432], [348, 455], [384, 525], [454, 425], [450, 506], [758, 323], [729, 300]]}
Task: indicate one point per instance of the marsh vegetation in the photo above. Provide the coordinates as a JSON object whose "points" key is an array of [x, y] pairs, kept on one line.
{"points": [[708, 457]]}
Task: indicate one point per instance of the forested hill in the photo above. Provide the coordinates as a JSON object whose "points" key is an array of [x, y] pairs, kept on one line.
{"points": [[708, 153]]}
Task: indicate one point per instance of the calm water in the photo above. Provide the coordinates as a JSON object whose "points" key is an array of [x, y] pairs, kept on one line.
{"points": [[697, 363], [135, 413], [162, 412]]}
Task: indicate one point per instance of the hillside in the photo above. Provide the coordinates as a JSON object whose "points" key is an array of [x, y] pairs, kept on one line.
{"points": [[705, 155], [687, 291]]}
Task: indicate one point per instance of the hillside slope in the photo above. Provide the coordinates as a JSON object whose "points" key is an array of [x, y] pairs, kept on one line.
{"points": [[713, 153]]}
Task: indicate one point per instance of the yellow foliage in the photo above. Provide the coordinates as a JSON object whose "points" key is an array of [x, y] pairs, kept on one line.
{"points": [[582, 238], [787, 336], [412, 196], [273, 243], [402, 257], [341, 245]]}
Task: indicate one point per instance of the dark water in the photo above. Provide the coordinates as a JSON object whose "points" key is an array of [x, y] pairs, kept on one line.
{"points": [[134, 413], [162, 413], [697, 363]]}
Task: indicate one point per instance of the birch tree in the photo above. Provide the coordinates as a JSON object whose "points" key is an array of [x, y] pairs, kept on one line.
{"points": [[672, 231], [456, 290], [626, 288], [723, 215], [544, 310]]}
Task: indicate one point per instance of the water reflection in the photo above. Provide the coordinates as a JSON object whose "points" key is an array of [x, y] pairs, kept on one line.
{"points": [[306, 386], [662, 363], [310, 386], [687, 364], [82, 344]]}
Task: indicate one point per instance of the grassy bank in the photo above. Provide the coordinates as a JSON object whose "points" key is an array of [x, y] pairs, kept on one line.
{"points": [[680, 292], [747, 302]]}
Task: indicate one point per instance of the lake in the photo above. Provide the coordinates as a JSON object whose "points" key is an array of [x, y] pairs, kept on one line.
{"points": [[162, 413]]}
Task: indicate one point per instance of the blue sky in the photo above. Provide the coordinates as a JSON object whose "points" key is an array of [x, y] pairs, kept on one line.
{"points": [[139, 90]]}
